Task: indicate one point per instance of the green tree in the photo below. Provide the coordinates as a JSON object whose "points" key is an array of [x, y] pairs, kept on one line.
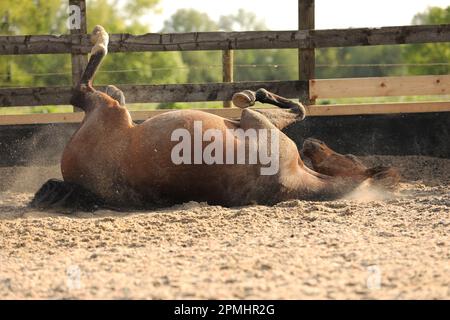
{"points": [[206, 66], [262, 64], [132, 68], [189, 20], [241, 21], [49, 17], [32, 17], [202, 66], [430, 52], [373, 61]]}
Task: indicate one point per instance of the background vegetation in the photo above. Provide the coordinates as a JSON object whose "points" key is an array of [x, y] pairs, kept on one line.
{"points": [[49, 17]]}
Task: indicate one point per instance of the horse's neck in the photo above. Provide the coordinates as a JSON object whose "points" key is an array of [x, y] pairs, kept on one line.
{"points": [[316, 186]]}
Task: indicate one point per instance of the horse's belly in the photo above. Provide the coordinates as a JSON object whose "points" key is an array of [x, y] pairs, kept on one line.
{"points": [[155, 171]]}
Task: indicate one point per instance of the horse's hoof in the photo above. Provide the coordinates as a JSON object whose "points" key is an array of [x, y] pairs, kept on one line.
{"points": [[244, 99], [300, 110]]}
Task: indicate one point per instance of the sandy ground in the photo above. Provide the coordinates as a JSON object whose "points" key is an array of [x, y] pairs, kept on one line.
{"points": [[368, 246]]}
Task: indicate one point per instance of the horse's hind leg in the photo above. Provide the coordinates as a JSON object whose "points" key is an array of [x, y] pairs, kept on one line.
{"points": [[247, 98], [251, 119], [58, 194], [294, 111]]}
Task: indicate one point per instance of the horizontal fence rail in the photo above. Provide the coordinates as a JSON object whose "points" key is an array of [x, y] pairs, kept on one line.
{"points": [[313, 110], [319, 89], [151, 93], [302, 39], [380, 87]]}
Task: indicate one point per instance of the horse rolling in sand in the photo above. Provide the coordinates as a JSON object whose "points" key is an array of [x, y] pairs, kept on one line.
{"points": [[111, 161]]}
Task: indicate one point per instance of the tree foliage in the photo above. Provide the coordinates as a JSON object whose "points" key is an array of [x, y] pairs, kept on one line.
{"points": [[430, 52], [18, 17], [50, 16], [205, 66]]}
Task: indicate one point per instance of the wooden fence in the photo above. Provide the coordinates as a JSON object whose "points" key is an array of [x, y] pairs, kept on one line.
{"points": [[305, 39]]}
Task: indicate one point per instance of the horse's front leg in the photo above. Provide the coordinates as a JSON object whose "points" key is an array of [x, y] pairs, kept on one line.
{"points": [[116, 94]]}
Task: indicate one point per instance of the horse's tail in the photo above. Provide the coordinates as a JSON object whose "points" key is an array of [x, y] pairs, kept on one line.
{"points": [[58, 194]]}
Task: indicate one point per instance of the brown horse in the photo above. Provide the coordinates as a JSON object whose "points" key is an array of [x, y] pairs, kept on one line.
{"points": [[112, 161]]}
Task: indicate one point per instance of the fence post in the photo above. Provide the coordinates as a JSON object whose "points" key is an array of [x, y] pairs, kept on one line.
{"points": [[306, 57], [79, 61], [227, 70]]}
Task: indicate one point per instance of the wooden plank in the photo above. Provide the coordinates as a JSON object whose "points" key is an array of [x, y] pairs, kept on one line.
{"points": [[330, 110], [306, 56], [380, 87], [313, 111], [38, 96], [151, 93], [227, 71], [44, 44], [40, 118], [377, 108], [320, 89], [79, 61], [226, 113]]}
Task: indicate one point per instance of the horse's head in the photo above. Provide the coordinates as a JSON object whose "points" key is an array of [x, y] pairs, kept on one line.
{"points": [[325, 160], [316, 150]]}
